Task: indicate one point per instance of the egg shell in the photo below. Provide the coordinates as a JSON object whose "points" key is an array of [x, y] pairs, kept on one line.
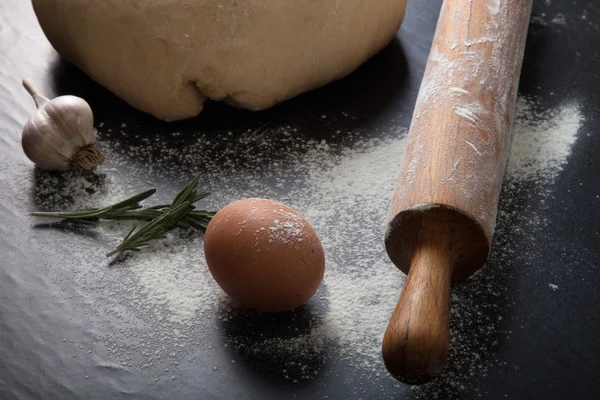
{"points": [[264, 255]]}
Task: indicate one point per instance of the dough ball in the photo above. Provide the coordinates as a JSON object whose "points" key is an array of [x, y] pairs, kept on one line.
{"points": [[264, 255], [166, 57]]}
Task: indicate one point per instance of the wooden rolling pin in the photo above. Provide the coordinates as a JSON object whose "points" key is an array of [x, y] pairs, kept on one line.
{"points": [[443, 213]]}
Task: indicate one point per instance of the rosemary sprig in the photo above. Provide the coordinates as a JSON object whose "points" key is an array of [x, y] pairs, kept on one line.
{"points": [[161, 218], [181, 207], [94, 214]]}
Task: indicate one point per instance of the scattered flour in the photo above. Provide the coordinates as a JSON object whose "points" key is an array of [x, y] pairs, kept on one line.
{"points": [[537, 20], [287, 227], [542, 141], [342, 188], [494, 6], [559, 19]]}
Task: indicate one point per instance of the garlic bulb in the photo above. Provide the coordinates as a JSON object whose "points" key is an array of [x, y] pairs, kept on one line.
{"points": [[61, 135]]}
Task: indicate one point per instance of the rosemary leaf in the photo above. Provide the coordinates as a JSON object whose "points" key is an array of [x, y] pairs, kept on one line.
{"points": [[134, 200]]}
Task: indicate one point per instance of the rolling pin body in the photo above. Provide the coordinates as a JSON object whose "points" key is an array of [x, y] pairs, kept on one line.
{"points": [[442, 216]]}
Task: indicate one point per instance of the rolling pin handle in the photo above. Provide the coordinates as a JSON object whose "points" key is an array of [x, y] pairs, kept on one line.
{"points": [[416, 342]]}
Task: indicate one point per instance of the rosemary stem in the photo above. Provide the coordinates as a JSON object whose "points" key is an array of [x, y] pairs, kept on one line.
{"points": [[113, 252], [45, 214]]}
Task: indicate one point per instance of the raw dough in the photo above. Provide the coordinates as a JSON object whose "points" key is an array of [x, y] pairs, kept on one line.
{"points": [[166, 57]]}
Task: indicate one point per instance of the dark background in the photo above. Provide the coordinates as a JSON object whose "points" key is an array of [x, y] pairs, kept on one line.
{"points": [[554, 341]]}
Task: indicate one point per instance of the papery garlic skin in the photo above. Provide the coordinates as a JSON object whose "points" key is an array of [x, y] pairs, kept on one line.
{"points": [[61, 135]]}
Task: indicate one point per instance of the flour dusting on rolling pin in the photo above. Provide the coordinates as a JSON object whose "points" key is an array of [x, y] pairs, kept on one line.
{"points": [[443, 213]]}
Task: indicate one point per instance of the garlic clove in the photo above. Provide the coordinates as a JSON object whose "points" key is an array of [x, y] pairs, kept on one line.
{"points": [[40, 143], [61, 135], [72, 116]]}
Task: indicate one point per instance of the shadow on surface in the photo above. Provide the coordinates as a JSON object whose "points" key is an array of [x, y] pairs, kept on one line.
{"points": [[363, 95], [61, 189], [277, 347], [536, 47], [67, 226]]}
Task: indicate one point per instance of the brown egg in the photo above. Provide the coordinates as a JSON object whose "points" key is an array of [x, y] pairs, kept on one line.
{"points": [[264, 255]]}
